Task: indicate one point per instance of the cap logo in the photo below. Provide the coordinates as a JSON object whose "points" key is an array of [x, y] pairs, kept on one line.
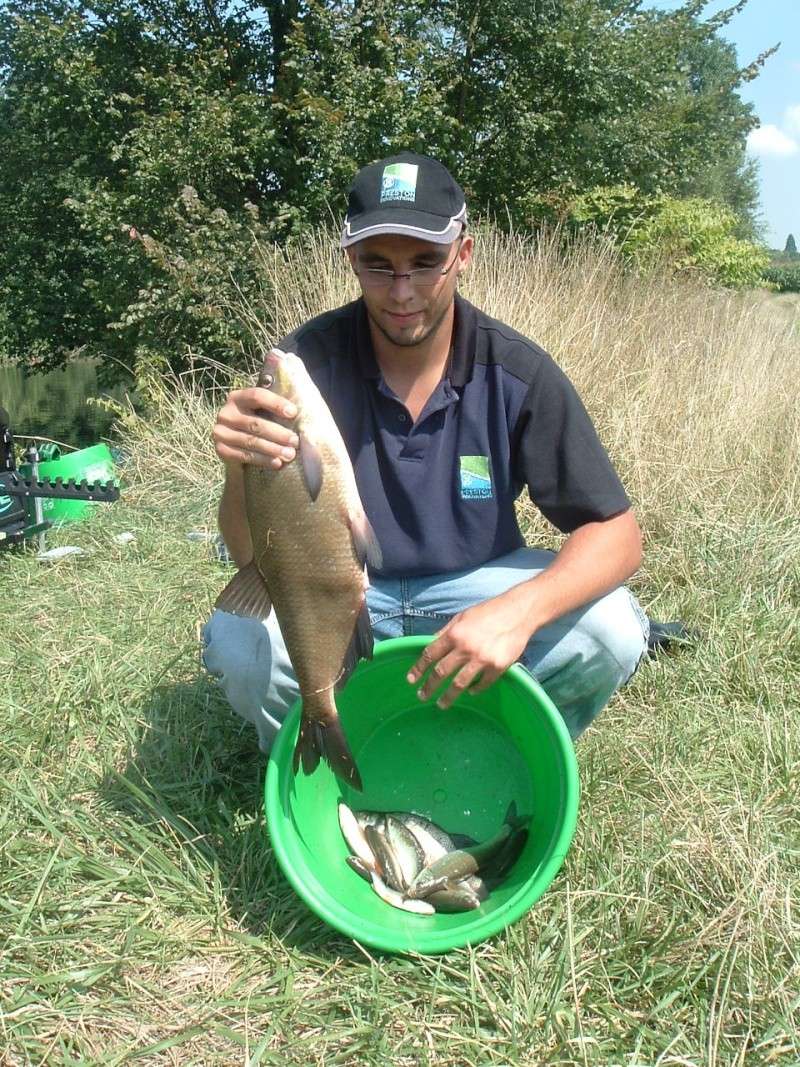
{"points": [[399, 182]]}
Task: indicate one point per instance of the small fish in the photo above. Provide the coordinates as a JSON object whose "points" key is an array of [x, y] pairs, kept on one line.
{"points": [[406, 849], [387, 860], [434, 840], [411, 861], [497, 869], [397, 900], [462, 862], [354, 835], [458, 897]]}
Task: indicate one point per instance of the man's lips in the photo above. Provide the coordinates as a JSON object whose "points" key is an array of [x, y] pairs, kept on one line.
{"points": [[403, 318]]}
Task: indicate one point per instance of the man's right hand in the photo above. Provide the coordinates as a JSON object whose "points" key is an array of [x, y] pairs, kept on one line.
{"points": [[244, 432]]}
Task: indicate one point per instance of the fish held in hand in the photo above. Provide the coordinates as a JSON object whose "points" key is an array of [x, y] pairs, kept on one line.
{"points": [[311, 542]]}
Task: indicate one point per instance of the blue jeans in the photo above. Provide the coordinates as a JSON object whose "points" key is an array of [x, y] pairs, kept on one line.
{"points": [[580, 659]]}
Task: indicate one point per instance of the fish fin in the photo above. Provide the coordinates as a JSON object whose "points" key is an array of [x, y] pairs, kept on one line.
{"points": [[311, 462], [325, 740], [308, 747], [360, 647], [364, 540], [463, 840], [246, 594]]}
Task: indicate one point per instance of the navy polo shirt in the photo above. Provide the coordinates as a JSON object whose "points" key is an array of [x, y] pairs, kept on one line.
{"points": [[440, 491]]}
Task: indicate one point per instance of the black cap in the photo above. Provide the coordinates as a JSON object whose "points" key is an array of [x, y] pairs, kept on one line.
{"points": [[405, 194]]}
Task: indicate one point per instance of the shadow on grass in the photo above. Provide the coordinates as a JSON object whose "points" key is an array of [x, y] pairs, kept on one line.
{"points": [[196, 774]]}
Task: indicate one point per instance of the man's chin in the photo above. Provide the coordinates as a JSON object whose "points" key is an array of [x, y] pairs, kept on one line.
{"points": [[408, 338], [405, 339]]}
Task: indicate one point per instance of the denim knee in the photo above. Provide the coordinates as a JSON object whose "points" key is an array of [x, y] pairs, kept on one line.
{"points": [[234, 648], [618, 623]]}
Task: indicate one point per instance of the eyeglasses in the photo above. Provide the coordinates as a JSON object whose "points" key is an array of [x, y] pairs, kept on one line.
{"points": [[378, 278]]}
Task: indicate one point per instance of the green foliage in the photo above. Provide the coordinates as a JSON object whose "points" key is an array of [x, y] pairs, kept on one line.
{"points": [[194, 280], [698, 235], [784, 279], [108, 112], [790, 249], [688, 235]]}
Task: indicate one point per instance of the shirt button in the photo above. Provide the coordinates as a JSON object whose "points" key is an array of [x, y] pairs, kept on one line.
{"points": [[402, 416]]}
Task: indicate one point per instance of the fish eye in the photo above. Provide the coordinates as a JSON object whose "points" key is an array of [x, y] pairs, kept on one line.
{"points": [[268, 381]]}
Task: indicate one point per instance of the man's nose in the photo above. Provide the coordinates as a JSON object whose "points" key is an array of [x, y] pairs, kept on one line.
{"points": [[402, 287]]}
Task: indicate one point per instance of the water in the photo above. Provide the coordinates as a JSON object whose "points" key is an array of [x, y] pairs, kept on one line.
{"points": [[55, 405]]}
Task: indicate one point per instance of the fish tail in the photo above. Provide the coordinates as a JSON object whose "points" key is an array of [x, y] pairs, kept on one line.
{"points": [[515, 820], [325, 740]]}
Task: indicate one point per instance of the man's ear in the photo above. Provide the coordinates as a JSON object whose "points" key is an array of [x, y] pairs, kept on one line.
{"points": [[465, 254]]}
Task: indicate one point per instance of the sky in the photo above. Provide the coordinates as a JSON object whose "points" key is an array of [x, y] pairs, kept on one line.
{"points": [[775, 95]]}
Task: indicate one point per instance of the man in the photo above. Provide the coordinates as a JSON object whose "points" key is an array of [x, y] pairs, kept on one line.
{"points": [[447, 414]]}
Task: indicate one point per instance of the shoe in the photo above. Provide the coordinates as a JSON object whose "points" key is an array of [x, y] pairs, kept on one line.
{"points": [[663, 635]]}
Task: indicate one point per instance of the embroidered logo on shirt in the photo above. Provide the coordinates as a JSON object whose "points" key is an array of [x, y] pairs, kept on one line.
{"points": [[399, 182], [476, 481]]}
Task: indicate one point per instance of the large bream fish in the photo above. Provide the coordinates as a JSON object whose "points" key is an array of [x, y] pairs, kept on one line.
{"points": [[311, 540]]}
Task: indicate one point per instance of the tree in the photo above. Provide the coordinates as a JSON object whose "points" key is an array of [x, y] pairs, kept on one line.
{"points": [[146, 143], [791, 246]]}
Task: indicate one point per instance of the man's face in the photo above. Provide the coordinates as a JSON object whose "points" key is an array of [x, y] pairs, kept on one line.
{"points": [[404, 312]]}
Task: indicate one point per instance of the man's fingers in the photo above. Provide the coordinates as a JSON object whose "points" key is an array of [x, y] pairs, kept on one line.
{"points": [[248, 448], [251, 425], [435, 650], [256, 399], [439, 673], [487, 677], [461, 682], [232, 444]]}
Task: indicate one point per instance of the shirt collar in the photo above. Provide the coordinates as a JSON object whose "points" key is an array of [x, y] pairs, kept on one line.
{"points": [[462, 357]]}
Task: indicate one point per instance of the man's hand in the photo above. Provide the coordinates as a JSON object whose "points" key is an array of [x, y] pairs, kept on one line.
{"points": [[486, 639], [244, 433], [476, 646]]}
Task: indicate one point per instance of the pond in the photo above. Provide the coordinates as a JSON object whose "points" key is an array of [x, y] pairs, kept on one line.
{"points": [[57, 405]]}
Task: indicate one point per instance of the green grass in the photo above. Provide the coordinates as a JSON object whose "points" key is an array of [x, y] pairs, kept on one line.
{"points": [[143, 919]]}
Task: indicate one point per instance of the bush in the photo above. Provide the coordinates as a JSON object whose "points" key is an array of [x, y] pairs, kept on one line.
{"points": [[785, 279], [687, 235]]}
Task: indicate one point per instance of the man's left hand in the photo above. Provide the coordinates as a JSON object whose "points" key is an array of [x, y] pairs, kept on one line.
{"points": [[475, 647]]}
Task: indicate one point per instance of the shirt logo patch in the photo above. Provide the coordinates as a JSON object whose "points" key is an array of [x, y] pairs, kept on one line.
{"points": [[399, 182], [476, 481], [5, 503]]}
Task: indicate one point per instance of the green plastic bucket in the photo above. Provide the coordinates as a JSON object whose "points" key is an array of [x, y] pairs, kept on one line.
{"points": [[461, 767], [95, 464]]}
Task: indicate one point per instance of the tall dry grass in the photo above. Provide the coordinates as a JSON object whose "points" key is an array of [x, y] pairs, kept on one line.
{"points": [[693, 390]]}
